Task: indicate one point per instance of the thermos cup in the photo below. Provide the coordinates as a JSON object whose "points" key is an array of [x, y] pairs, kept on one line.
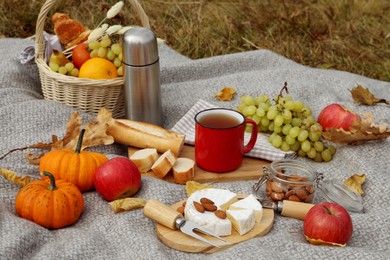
{"points": [[142, 76]]}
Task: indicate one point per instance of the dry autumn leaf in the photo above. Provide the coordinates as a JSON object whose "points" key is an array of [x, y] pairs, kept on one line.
{"points": [[226, 94], [95, 135], [12, 177], [359, 132], [95, 132], [192, 186], [355, 183], [363, 96], [127, 204]]}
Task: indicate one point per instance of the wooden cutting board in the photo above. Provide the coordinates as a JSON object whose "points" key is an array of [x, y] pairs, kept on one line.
{"points": [[251, 169], [182, 242]]}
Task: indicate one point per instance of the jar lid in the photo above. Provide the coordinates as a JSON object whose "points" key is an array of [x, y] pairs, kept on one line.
{"points": [[337, 192]]}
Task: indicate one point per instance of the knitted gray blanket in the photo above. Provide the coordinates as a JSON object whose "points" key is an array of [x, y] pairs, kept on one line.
{"points": [[26, 118]]}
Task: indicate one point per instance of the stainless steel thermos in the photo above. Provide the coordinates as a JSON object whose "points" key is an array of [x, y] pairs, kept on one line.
{"points": [[142, 76]]}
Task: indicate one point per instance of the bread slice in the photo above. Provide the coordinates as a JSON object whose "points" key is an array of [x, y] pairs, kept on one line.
{"points": [[164, 164], [183, 170], [144, 159]]}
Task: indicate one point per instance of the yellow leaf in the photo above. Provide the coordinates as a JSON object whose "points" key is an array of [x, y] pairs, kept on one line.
{"points": [[355, 183], [226, 94], [192, 186], [127, 204], [12, 177]]}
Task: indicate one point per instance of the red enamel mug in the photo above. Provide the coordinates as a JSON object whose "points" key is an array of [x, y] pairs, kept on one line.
{"points": [[219, 139]]}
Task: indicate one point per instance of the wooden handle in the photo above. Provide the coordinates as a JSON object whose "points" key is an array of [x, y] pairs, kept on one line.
{"points": [[161, 213], [295, 209]]}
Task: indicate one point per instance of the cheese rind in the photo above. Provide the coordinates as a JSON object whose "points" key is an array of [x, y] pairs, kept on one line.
{"points": [[222, 199], [242, 220], [249, 202]]}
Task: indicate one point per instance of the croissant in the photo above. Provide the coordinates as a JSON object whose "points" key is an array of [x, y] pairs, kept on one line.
{"points": [[69, 31]]}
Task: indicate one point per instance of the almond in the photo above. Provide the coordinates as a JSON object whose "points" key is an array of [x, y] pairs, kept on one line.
{"points": [[199, 207], [210, 207], [220, 214], [294, 198], [180, 210], [206, 201]]}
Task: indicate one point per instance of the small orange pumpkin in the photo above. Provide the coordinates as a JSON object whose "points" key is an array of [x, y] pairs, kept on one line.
{"points": [[77, 167], [50, 203]]}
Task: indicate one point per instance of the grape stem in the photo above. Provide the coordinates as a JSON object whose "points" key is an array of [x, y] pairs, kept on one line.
{"points": [[284, 88], [281, 92]]}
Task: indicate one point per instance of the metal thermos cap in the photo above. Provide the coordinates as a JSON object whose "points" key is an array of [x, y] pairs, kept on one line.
{"points": [[139, 47]]}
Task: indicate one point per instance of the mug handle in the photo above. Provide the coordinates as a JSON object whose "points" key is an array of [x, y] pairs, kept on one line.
{"points": [[254, 133]]}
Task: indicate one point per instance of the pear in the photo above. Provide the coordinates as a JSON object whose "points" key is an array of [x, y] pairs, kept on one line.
{"points": [[59, 58]]}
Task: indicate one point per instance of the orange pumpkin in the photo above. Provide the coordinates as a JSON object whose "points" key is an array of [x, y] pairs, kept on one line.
{"points": [[77, 167], [50, 203]]}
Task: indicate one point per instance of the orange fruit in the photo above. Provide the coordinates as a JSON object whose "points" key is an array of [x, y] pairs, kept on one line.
{"points": [[98, 68]]}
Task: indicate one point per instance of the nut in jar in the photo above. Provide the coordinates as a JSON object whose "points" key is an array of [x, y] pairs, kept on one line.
{"points": [[289, 180]]}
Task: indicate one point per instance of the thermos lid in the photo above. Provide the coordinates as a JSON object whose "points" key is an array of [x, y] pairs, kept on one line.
{"points": [[139, 47]]}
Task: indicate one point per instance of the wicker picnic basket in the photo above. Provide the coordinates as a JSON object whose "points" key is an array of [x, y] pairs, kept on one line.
{"points": [[87, 95]]}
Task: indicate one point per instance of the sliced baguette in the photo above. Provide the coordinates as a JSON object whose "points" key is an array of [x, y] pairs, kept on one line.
{"points": [[144, 159], [183, 170], [145, 135], [164, 164]]}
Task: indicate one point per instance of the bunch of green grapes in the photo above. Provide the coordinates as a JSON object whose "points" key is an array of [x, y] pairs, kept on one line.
{"points": [[105, 48], [68, 69], [290, 125]]}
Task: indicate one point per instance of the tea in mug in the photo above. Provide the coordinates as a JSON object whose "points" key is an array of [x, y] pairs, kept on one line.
{"points": [[219, 120]]}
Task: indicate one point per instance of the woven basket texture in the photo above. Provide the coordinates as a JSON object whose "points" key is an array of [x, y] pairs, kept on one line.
{"points": [[87, 95]]}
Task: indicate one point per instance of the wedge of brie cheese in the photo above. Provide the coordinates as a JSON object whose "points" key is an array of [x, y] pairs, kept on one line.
{"points": [[249, 202], [243, 220], [222, 199]]}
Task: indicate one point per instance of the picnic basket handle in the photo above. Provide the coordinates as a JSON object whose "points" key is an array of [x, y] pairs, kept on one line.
{"points": [[39, 38]]}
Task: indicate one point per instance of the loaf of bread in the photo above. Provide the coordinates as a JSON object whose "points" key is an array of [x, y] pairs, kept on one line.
{"points": [[164, 164], [145, 135], [144, 159], [69, 31], [183, 170]]}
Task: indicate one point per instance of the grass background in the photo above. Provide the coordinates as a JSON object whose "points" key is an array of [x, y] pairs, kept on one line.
{"points": [[348, 35]]}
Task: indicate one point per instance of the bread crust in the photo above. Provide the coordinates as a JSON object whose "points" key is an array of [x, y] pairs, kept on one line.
{"points": [[164, 164], [182, 176], [145, 162], [69, 31], [145, 135]]}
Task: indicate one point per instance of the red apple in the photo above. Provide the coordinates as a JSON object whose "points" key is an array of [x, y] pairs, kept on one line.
{"points": [[117, 178], [337, 116], [80, 54], [328, 223]]}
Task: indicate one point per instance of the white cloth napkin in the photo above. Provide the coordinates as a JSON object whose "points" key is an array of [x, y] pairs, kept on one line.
{"points": [[52, 43], [262, 149]]}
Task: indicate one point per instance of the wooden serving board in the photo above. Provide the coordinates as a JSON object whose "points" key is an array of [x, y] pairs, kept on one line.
{"points": [[182, 242], [251, 169]]}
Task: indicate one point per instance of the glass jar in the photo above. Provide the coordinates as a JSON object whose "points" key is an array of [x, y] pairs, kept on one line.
{"points": [[297, 181], [290, 180]]}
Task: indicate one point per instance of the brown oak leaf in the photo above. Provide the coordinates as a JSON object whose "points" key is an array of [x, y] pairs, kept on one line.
{"points": [[95, 132], [363, 96], [226, 94], [359, 132]]}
